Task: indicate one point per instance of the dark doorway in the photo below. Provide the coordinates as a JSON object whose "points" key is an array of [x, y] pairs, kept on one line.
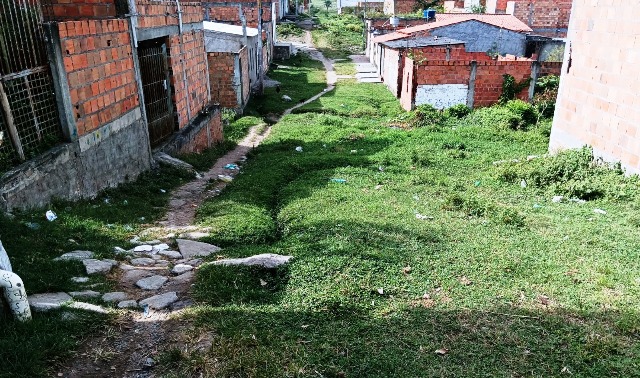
{"points": [[156, 88]]}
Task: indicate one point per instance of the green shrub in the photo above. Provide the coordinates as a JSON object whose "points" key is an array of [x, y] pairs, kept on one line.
{"points": [[509, 217], [457, 111], [427, 116], [524, 115], [471, 206], [289, 29]]}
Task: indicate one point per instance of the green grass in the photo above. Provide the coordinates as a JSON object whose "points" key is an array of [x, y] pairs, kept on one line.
{"points": [[338, 35], [300, 78], [508, 282], [345, 67], [32, 349]]}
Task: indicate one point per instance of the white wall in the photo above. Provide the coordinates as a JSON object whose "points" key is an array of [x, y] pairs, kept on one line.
{"points": [[442, 96]]}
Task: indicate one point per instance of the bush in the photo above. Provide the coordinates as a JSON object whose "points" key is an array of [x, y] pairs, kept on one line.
{"points": [[471, 206], [457, 111], [426, 115], [546, 93], [524, 115], [289, 29]]}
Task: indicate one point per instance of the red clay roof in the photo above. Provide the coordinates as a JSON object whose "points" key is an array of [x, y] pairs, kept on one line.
{"points": [[504, 21]]}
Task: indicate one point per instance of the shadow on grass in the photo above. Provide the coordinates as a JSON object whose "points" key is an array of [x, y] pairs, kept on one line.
{"points": [[345, 341]]}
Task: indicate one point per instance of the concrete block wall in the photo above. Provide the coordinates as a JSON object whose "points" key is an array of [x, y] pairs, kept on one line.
{"points": [[598, 104], [99, 66], [221, 75], [66, 10], [189, 74]]}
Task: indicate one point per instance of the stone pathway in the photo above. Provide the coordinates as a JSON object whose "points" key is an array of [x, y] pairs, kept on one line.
{"points": [[366, 72], [155, 278]]}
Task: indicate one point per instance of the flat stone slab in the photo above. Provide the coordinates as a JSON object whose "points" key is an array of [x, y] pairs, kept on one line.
{"points": [[84, 294], [171, 254], [143, 248], [134, 275], [75, 255], [88, 307], [181, 268], [94, 266], [143, 261], [48, 301], [158, 302], [161, 247], [152, 283], [162, 263], [183, 278], [266, 260], [195, 235], [116, 296], [128, 304], [192, 248]]}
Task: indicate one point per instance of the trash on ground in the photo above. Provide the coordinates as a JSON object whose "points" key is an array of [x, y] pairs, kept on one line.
{"points": [[162, 191], [523, 183], [299, 149], [423, 217], [231, 166], [378, 187], [599, 211], [577, 200], [338, 180], [32, 225], [477, 183], [225, 178], [354, 151], [381, 291], [51, 216], [557, 199], [537, 206], [441, 351], [286, 98]]}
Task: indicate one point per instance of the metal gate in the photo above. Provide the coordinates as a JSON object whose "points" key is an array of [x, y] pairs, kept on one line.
{"points": [[156, 89], [29, 120]]}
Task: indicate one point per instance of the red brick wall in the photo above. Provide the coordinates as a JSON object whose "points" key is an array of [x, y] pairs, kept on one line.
{"points": [[208, 136], [544, 14], [598, 103], [65, 10], [489, 79], [221, 73], [229, 13], [550, 68], [501, 5], [99, 65], [189, 47], [165, 12]]}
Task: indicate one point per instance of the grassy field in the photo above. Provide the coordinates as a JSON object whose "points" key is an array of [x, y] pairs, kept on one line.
{"points": [[338, 35], [428, 260]]}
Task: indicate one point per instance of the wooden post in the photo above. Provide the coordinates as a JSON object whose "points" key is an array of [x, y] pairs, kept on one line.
{"points": [[8, 117]]}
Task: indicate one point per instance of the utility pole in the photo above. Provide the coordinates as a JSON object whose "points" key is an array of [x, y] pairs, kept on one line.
{"points": [[260, 86]]}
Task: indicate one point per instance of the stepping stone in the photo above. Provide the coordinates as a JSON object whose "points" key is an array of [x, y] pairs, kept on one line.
{"points": [[183, 278], [120, 251], [158, 302], [115, 296], [94, 266], [195, 235], [131, 276], [88, 307], [181, 268], [48, 301], [190, 248], [75, 255], [162, 263], [143, 248], [80, 279], [128, 304], [84, 294], [266, 260], [161, 247], [143, 261], [171, 254], [152, 283]]}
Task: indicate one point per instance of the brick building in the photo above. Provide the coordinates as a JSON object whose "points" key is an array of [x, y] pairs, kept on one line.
{"points": [[232, 56], [447, 75], [108, 90], [598, 104]]}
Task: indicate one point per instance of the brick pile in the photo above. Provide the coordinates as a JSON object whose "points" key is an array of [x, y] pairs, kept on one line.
{"points": [[99, 65]]}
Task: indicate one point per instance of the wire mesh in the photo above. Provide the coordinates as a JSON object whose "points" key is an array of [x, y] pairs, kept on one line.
{"points": [[29, 120]]}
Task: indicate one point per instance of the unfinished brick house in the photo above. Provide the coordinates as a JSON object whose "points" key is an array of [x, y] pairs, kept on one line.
{"points": [[232, 13], [232, 56], [445, 74], [83, 110], [598, 104]]}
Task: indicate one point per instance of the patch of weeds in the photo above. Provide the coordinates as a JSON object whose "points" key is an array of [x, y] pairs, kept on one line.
{"points": [[509, 217], [524, 115], [289, 30], [457, 111], [428, 116], [203, 161], [572, 173], [420, 157], [471, 206]]}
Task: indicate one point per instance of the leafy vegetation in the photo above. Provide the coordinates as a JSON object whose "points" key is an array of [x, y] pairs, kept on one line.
{"points": [[427, 260], [98, 225], [338, 35], [511, 88], [289, 30]]}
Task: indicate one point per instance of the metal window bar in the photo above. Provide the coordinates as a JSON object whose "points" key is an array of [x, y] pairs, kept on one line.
{"points": [[29, 122], [156, 89]]}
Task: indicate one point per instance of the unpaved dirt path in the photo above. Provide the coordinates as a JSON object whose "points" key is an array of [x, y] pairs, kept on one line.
{"points": [[129, 348]]}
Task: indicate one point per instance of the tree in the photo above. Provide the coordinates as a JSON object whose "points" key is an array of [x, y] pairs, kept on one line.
{"points": [[327, 4]]}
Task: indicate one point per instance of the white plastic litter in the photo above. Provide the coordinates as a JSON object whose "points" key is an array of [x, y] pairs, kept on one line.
{"points": [[51, 216], [523, 183], [557, 199], [599, 211], [299, 149]]}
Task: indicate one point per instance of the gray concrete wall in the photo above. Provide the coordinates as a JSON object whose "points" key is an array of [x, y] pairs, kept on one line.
{"points": [[480, 37], [115, 153]]}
